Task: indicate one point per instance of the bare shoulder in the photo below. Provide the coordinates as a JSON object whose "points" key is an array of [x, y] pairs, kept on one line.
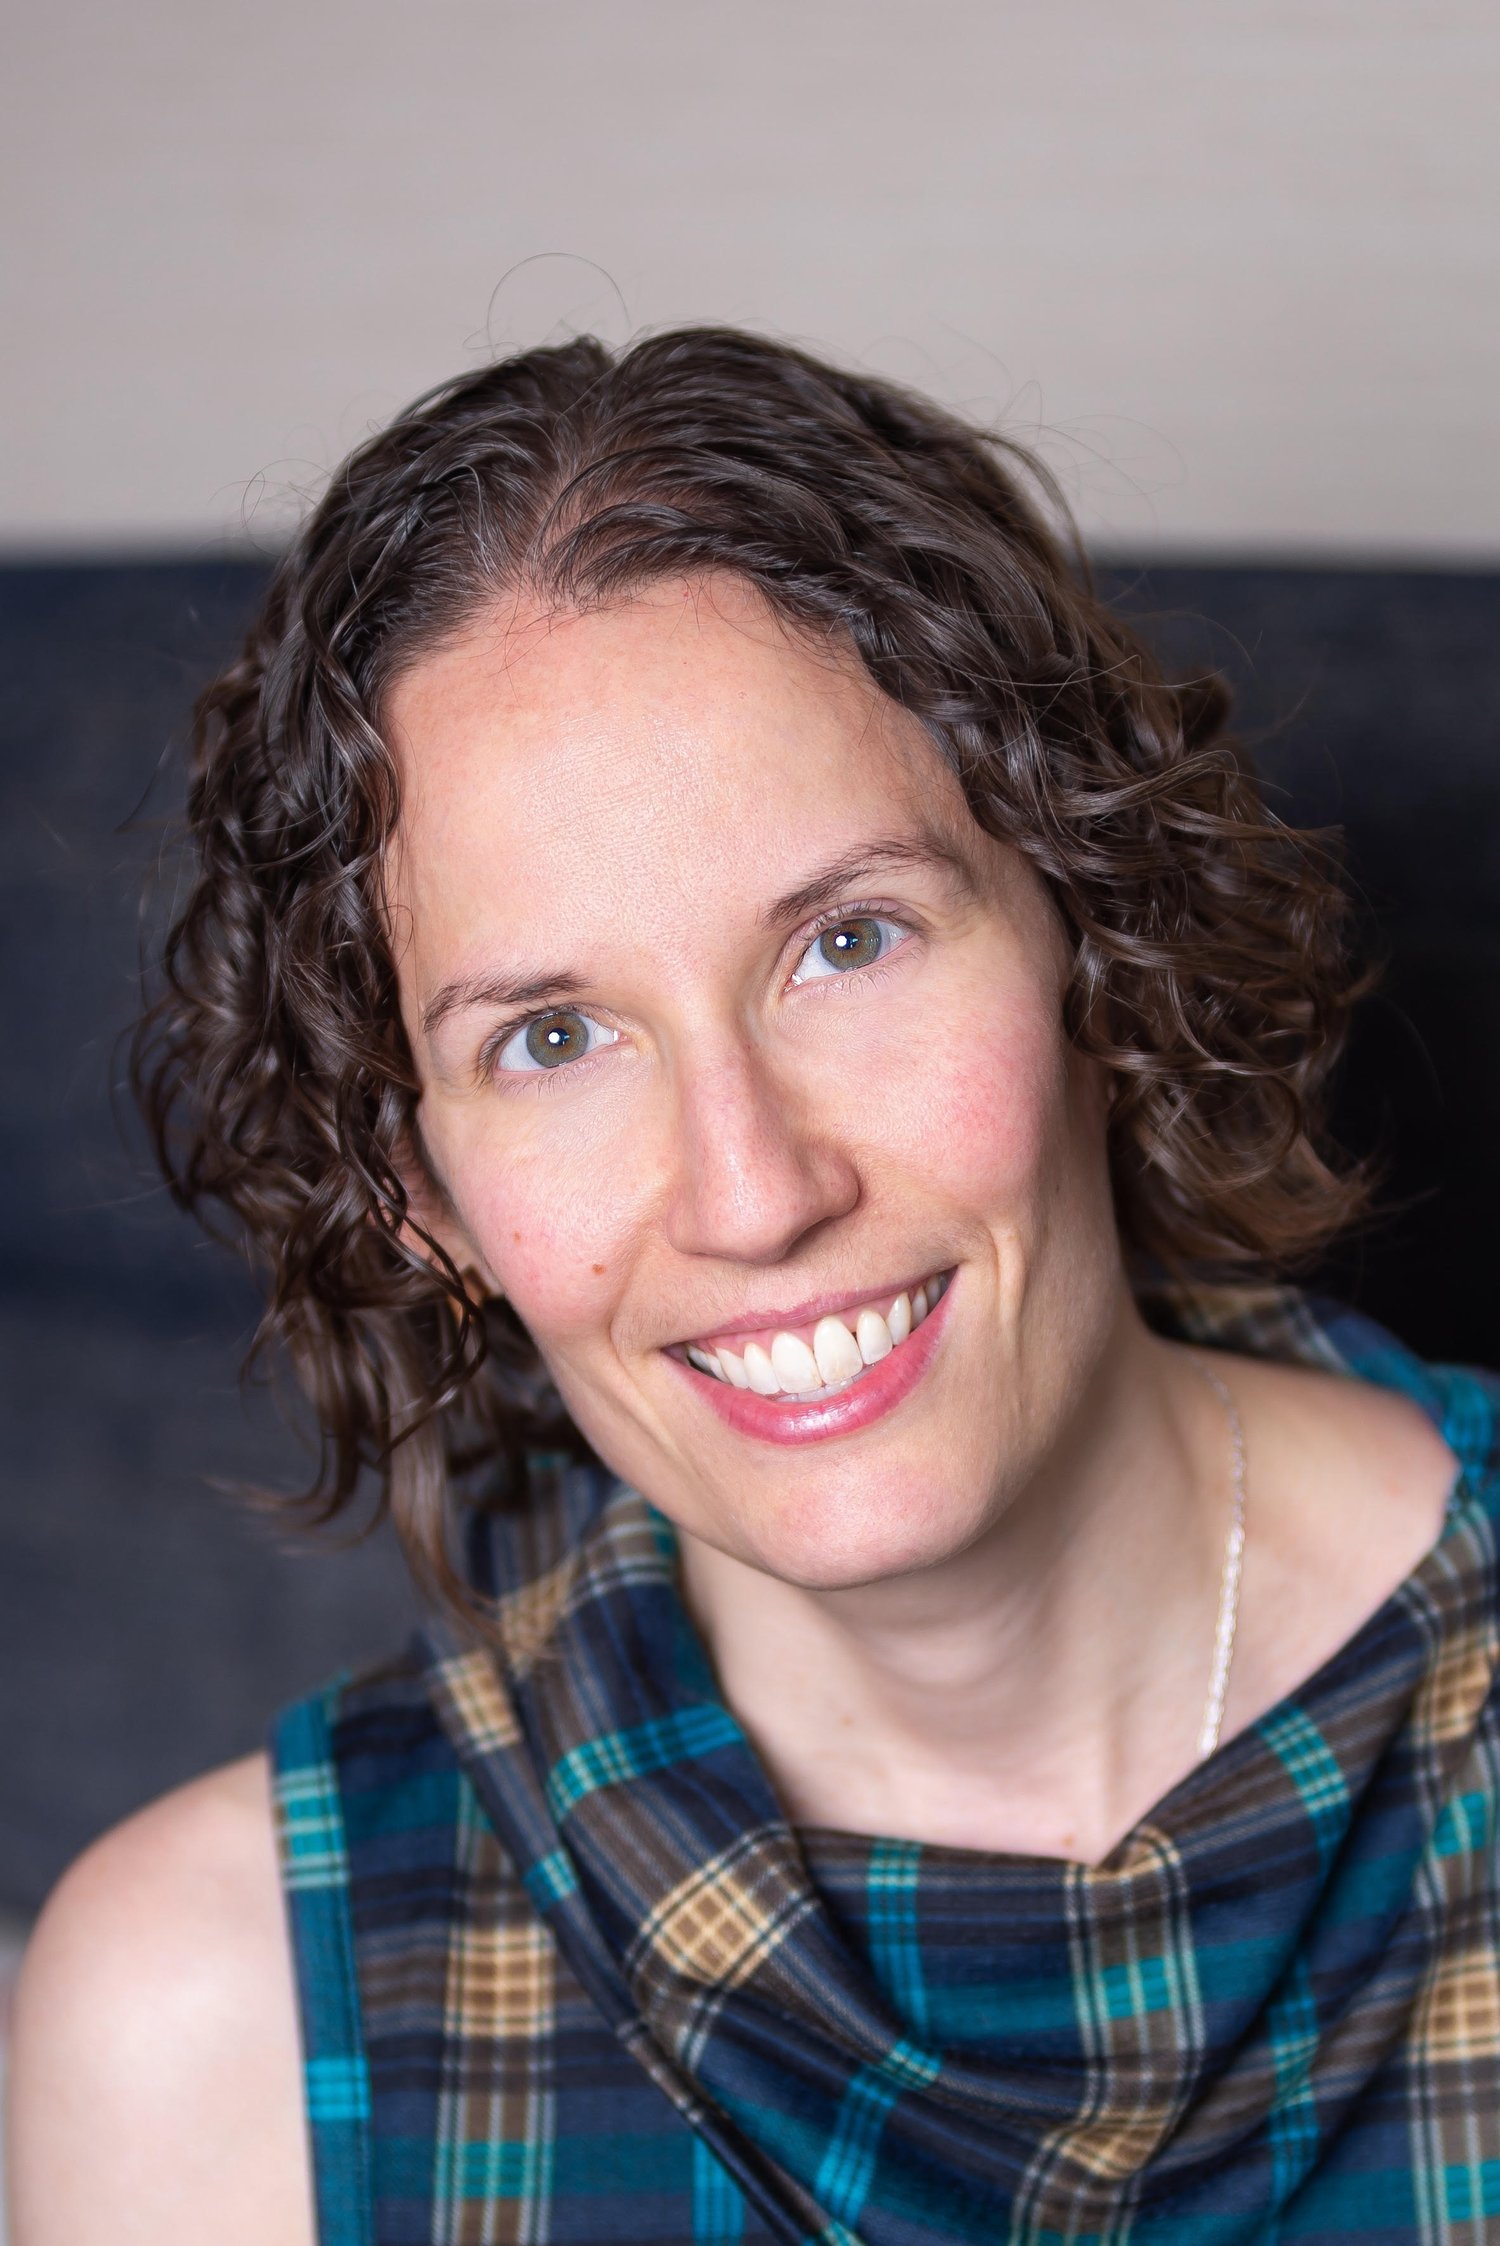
{"points": [[156, 2085]]}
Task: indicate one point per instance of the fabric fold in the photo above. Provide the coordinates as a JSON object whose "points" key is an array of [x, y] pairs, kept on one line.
{"points": [[1276, 2002]]}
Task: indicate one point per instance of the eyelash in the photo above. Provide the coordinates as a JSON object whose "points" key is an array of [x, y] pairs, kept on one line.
{"points": [[540, 1078], [837, 919], [534, 1079]]}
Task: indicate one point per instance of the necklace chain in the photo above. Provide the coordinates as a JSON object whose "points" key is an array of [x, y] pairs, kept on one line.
{"points": [[1229, 1581]]}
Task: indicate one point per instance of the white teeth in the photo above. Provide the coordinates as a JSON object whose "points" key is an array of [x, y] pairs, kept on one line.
{"points": [[836, 1351], [794, 1364], [836, 1356], [759, 1371]]}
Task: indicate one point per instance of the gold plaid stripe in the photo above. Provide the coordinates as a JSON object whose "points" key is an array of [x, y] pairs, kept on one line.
{"points": [[502, 1981], [713, 1926], [1459, 2017], [480, 1702], [496, 2119], [1453, 1695]]}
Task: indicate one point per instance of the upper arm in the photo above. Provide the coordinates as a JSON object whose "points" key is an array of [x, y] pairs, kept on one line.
{"points": [[156, 2068]]}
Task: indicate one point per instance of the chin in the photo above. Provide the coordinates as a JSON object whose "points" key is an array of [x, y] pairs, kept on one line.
{"points": [[875, 1529]]}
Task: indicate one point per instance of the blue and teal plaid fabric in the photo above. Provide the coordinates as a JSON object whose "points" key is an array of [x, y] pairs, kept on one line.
{"points": [[568, 1977]]}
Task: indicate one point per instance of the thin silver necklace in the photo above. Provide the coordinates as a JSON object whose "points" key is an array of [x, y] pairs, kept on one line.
{"points": [[1229, 1581]]}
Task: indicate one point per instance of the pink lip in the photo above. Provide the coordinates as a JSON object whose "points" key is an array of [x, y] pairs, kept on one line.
{"points": [[878, 1391], [809, 1312]]}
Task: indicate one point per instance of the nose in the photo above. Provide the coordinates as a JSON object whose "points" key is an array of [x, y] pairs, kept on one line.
{"points": [[755, 1171]]}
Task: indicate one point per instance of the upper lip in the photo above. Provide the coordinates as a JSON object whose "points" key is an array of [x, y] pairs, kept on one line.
{"points": [[815, 1307]]}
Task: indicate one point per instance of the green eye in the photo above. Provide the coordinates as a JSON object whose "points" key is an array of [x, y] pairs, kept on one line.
{"points": [[552, 1040], [859, 941]]}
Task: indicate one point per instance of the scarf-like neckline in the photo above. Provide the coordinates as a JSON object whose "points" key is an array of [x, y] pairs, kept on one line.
{"points": [[890, 2041]]}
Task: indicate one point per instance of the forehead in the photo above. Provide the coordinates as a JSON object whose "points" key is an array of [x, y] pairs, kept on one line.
{"points": [[682, 746]]}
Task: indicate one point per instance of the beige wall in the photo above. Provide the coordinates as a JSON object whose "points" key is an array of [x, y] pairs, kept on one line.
{"points": [[1236, 258]]}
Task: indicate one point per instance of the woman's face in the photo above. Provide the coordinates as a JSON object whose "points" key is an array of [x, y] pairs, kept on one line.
{"points": [[735, 1030]]}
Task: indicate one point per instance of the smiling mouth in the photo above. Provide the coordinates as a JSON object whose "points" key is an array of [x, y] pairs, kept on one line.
{"points": [[801, 1363]]}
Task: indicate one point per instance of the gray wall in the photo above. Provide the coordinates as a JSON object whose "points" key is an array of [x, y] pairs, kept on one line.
{"points": [[1238, 262]]}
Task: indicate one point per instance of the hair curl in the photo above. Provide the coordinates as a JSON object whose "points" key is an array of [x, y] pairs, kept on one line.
{"points": [[1210, 970]]}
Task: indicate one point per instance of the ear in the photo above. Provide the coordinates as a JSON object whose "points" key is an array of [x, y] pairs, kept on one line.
{"points": [[430, 1208]]}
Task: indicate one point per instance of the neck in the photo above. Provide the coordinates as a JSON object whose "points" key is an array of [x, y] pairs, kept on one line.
{"points": [[1034, 1694]]}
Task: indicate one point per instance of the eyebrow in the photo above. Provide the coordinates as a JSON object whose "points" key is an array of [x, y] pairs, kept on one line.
{"points": [[501, 992], [508, 993], [926, 850]]}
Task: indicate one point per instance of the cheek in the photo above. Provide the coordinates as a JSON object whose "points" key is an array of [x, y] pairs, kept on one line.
{"points": [[557, 1237], [978, 1104]]}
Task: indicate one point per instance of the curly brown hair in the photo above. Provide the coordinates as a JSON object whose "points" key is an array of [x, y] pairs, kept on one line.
{"points": [[1210, 965]]}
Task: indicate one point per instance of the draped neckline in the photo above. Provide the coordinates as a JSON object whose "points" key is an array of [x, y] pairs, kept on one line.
{"points": [[1043, 2038]]}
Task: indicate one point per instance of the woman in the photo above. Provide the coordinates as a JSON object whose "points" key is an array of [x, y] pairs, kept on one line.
{"points": [[768, 1063]]}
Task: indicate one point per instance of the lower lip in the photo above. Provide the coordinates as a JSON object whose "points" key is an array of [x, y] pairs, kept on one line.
{"points": [[877, 1391]]}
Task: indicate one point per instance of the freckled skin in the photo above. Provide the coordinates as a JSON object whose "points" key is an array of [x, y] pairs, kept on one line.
{"points": [[622, 794]]}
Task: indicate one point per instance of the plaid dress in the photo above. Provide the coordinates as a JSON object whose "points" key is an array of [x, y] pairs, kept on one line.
{"points": [[568, 1977]]}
